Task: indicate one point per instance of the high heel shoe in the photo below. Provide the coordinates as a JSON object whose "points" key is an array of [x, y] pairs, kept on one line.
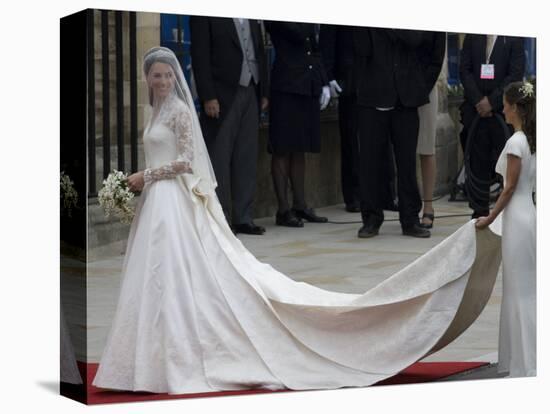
{"points": [[429, 216]]}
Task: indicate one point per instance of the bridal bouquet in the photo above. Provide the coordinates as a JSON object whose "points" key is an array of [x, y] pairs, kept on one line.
{"points": [[115, 197], [69, 195]]}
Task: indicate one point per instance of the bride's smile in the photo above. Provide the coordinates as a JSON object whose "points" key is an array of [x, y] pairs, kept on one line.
{"points": [[161, 79]]}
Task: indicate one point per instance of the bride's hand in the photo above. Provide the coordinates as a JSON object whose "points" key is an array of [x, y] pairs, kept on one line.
{"points": [[483, 222], [136, 181]]}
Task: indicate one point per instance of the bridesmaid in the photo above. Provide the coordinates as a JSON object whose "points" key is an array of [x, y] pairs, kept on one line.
{"points": [[517, 164]]}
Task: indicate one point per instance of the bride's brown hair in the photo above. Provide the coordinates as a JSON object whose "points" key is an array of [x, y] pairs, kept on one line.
{"points": [[522, 94]]}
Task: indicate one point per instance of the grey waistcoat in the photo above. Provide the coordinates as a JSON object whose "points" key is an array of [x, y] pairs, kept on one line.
{"points": [[250, 64]]}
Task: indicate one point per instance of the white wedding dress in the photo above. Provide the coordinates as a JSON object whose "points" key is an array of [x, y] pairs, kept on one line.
{"points": [[197, 312], [517, 335]]}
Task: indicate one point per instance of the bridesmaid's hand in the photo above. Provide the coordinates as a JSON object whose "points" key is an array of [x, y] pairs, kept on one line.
{"points": [[483, 222], [136, 181]]}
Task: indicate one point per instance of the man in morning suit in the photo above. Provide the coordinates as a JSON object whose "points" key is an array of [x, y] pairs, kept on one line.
{"points": [[230, 73]]}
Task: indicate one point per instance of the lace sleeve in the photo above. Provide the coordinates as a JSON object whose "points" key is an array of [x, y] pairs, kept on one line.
{"points": [[181, 125]]}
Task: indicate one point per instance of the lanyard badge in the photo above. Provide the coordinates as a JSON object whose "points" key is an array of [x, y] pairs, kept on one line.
{"points": [[487, 71]]}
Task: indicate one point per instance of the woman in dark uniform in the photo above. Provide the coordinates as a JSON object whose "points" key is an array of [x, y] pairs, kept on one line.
{"points": [[299, 90]]}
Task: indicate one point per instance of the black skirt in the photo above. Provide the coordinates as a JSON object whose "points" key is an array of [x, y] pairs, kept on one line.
{"points": [[294, 123]]}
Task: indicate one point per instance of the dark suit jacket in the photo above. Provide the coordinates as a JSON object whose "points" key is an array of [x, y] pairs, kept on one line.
{"points": [[431, 55], [297, 67], [387, 68], [217, 62], [508, 56], [336, 44]]}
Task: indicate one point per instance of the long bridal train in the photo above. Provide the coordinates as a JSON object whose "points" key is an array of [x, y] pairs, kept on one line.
{"points": [[197, 312]]}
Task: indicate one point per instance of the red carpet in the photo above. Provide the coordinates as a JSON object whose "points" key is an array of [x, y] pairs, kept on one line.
{"points": [[416, 373]]}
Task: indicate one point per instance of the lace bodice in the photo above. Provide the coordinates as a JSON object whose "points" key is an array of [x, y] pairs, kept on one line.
{"points": [[168, 143]]}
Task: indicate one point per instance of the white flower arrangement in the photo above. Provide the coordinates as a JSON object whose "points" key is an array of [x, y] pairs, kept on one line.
{"points": [[527, 89], [115, 197], [68, 193]]}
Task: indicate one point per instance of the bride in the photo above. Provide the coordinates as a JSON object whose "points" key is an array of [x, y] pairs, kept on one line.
{"points": [[197, 312]]}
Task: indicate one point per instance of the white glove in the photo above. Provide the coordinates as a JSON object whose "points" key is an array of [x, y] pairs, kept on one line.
{"points": [[335, 89], [325, 97]]}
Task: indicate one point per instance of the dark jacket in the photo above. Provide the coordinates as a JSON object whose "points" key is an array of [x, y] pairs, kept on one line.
{"points": [[387, 68], [297, 67], [217, 62], [431, 55], [336, 44], [508, 56]]}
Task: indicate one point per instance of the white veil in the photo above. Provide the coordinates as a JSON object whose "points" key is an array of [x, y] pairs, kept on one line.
{"points": [[200, 162]]}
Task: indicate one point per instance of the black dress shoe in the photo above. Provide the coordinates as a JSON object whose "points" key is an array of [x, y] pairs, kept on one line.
{"points": [[416, 231], [309, 215], [367, 231], [353, 208], [249, 228], [288, 219]]}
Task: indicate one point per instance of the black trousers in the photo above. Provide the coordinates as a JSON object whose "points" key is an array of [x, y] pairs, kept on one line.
{"points": [[487, 143], [376, 130], [349, 149], [234, 156]]}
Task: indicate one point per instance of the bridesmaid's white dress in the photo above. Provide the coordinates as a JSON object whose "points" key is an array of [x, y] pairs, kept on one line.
{"points": [[197, 312], [517, 335]]}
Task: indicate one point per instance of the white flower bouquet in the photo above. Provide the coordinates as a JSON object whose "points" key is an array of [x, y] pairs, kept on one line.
{"points": [[69, 196], [115, 197]]}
